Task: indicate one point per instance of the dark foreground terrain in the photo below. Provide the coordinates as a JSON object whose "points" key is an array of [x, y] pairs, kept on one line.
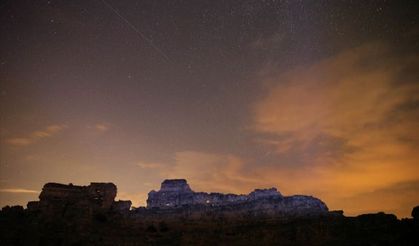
{"points": [[88, 215], [20, 227]]}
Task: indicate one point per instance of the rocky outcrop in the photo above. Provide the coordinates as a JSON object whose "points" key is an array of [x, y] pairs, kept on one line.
{"points": [[173, 193], [415, 213], [121, 206], [263, 193], [60, 198], [174, 199], [176, 195]]}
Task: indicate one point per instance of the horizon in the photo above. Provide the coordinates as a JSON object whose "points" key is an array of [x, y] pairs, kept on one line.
{"points": [[311, 97]]}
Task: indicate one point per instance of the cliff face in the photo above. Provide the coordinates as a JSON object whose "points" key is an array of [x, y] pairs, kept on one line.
{"points": [[177, 195], [173, 193]]}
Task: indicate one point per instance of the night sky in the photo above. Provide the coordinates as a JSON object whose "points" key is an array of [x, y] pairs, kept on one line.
{"points": [[312, 97]]}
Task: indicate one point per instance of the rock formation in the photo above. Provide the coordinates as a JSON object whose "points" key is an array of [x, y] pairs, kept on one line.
{"points": [[415, 213], [176, 194], [176, 198], [59, 198]]}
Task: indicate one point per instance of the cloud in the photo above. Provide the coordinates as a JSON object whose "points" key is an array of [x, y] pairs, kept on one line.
{"points": [[102, 127], [149, 165], [18, 190], [205, 171], [211, 172], [35, 136], [48, 131], [344, 125], [19, 141]]}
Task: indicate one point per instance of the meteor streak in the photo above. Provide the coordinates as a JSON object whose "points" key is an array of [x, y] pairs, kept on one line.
{"points": [[135, 29]]}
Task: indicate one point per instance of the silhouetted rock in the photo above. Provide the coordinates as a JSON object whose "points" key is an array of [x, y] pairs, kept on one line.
{"points": [[101, 195], [378, 218], [336, 212], [415, 213], [17, 209], [73, 200], [33, 205], [121, 206]]}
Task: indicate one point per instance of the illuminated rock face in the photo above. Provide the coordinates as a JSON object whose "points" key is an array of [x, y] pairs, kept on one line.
{"points": [[172, 193], [263, 193], [175, 185], [176, 194]]}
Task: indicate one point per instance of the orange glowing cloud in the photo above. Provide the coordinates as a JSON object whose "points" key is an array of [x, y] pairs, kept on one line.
{"points": [[212, 172], [102, 127], [18, 190], [352, 120], [35, 136], [344, 129]]}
